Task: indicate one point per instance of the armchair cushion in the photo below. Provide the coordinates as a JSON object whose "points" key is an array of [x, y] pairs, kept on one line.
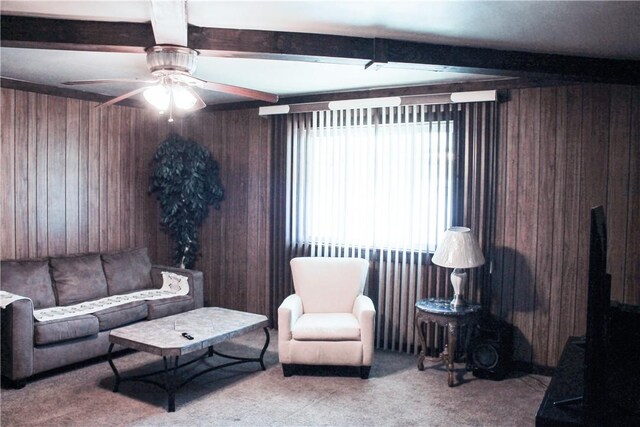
{"points": [[328, 285], [29, 279], [326, 327]]}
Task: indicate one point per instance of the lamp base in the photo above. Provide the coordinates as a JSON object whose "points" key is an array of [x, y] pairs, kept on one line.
{"points": [[458, 301], [458, 279]]}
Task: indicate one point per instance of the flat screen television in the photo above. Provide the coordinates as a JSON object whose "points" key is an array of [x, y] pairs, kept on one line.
{"points": [[598, 307]]}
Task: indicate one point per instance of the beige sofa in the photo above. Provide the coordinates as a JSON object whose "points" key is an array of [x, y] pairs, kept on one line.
{"points": [[328, 321], [30, 347]]}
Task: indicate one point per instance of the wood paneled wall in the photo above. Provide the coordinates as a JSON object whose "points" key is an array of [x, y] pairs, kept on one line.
{"points": [[561, 151], [72, 176], [235, 240], [75, 179]]}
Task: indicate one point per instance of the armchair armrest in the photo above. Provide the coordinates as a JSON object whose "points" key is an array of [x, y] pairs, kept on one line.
{"points": [[365, 312], [17, 340], [195, 278], [288, 312]]}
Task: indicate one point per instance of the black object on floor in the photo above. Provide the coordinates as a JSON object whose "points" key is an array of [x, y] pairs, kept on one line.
{"points": [[490, 351]]}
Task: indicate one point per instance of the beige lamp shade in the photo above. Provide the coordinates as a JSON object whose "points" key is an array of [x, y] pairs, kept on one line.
{"points": [[459, 248]]}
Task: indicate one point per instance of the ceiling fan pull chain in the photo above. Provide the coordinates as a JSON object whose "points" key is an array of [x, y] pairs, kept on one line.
{"points": [[170, 104]]}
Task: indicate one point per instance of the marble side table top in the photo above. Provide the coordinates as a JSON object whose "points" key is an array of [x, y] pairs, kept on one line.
{"points": [[207, 325], [443, 306]]}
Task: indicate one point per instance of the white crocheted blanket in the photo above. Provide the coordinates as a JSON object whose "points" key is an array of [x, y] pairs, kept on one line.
{"points": [[172, 285]]}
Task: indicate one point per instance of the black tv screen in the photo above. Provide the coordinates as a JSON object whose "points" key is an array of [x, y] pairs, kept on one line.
{"points": [[598, 305]]}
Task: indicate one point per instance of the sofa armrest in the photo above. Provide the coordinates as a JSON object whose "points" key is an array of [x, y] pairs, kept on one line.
{"points": [[17, 340], [195, 277], [288, 312], [365, 312]]}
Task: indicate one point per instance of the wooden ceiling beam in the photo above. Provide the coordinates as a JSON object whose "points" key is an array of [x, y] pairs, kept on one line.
{"points": [[221, 42], [65, 34], [41, 33], [511, 63]]}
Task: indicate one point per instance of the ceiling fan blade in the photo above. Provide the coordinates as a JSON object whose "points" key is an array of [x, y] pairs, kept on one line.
{"points": [[199, 102], [169, 21], [93, 82], [237, 90], [121, 97]]}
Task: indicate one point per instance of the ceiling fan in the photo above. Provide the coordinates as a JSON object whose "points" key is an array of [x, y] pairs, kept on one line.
{"points": [[173, 82]]}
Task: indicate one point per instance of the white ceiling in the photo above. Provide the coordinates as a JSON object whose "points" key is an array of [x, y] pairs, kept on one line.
{"points": [[598, 29]]}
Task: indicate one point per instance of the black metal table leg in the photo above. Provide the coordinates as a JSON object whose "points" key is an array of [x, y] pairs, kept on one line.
{"points": [[170, 375], [170, 370], [239, 359], [113, 368], [264, 349]]}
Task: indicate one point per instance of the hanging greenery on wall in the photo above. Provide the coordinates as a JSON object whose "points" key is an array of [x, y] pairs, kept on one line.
{"points": [[186, 182]]}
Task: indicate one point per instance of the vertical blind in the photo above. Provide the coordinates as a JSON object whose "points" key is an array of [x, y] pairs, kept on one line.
{"points": [[381, 184], [365, 179]]}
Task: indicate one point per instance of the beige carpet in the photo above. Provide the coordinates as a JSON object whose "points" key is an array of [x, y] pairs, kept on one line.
{"points": [[395, 394]]}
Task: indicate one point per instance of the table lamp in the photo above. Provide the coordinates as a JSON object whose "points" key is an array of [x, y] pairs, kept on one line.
{"points": [[459, 249]]}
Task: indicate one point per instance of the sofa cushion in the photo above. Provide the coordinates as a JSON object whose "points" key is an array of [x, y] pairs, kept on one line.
{"points": [[168, 306], [29, 278], [127, 271], [121, 315], [326, 327], [78, 278], [53, 331]]}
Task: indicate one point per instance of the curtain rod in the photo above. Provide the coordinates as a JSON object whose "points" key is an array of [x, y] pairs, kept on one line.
{"points": [[392, 101]]}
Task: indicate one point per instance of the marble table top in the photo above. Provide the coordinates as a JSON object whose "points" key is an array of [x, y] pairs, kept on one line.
{"points": [[207, 325], [443, 306]]}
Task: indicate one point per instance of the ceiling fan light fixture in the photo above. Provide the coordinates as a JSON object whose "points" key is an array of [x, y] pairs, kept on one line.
{"points": [[159, 96], [167, 58], [183, 97], [172, 68]]}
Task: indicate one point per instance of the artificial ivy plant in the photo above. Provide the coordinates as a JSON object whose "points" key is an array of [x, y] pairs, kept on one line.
{"points": [[186, 182]]}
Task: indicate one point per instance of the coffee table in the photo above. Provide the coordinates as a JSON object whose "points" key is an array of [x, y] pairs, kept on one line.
{"points": [[163, 337]]}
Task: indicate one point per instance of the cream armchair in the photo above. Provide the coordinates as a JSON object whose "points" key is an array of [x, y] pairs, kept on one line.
{"points": [[328, 321]]}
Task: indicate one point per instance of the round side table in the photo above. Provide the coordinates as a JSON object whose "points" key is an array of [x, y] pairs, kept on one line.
{"points": [[440, 312]]}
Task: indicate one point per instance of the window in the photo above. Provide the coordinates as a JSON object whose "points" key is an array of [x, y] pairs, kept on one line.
{"points": [[372, 178]]}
